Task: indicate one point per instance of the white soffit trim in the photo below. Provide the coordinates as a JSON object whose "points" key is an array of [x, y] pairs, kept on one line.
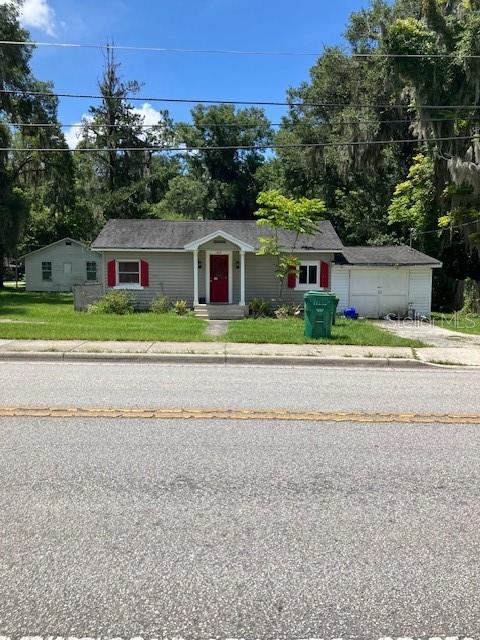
{"points": [[134, 250], [191, 246]]}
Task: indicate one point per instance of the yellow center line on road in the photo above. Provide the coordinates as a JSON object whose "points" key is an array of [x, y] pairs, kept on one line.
{"points": [[239, 414]]}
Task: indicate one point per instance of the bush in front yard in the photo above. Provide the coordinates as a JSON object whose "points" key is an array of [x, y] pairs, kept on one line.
{"points": [[260, 308], [114, 302], [181, 307], [285, 311], [161, 304]]}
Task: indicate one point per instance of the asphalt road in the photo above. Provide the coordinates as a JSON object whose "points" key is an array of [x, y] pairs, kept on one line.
{"points": [[222, 529], [234, 387], [209, 529]]}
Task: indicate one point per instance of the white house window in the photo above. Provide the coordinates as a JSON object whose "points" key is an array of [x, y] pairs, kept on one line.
{"points": [[308, 275], [47, 271], [129, 272], [91, 271]]}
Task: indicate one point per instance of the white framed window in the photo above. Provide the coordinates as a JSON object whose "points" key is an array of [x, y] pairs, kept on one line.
{"points": [[67, 268], [91, 271], [47, 271], [128, 273], [308, 275]]}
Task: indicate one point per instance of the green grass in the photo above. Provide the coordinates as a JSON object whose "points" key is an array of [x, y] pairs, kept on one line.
{"points": [[44, 316], [354, 332], [464, 323], [50, 316]]}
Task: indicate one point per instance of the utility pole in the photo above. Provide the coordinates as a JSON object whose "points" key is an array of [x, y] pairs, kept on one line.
{"points": [[412, 233]]}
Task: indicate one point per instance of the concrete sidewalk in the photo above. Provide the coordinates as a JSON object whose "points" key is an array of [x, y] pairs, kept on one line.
{"points": [[231, 353]]}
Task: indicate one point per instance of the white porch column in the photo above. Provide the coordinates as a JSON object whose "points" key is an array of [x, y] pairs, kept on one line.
{"points": [[242, 278], [195, 278]]}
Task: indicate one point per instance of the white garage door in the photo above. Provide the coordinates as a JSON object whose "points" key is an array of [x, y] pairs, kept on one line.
{"points": [[376, 292], [393, 291], [364, 292]]}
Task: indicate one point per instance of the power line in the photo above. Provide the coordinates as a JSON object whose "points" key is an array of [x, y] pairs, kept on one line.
{"points": [[265, 147], [226, 125], [449, 228], [264, 103], [237, 52]]}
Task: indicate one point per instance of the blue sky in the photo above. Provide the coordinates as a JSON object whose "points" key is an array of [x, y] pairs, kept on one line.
{"points": [[304, 25]]}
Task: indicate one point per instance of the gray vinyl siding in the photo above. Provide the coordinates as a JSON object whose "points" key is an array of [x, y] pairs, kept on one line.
{"points": [[261, 282], [60, 254], [170, 274]]}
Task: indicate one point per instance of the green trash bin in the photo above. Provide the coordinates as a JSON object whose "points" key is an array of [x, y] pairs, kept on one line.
{"points": [[319, 311]]}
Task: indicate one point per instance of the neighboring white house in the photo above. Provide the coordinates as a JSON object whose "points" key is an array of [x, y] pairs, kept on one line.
{"points": [[382, 280], [61, 265]]}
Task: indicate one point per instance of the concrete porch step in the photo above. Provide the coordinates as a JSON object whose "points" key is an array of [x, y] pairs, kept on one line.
{"points": [[220, 311]]}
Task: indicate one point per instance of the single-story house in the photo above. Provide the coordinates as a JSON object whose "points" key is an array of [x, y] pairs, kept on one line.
{"points": [[382, 280], [214, 266], [61, 265]]}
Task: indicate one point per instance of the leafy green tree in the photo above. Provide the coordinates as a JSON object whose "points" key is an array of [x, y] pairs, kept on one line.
{"points": [[47, 179], [413, 202], [229, 172], [280, 213], [185, 198], [15, 75], [356, 182]]}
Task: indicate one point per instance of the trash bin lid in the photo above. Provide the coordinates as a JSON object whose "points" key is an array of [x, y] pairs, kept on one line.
{"points": [[318, 294]]}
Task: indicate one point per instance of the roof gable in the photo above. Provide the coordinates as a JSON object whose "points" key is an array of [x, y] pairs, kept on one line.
{"points": [[195, 244], [53, 244]]}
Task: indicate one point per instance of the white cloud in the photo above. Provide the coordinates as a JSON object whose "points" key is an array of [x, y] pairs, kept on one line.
{"points": [[150, 115], [37, 14], [72, 136]]}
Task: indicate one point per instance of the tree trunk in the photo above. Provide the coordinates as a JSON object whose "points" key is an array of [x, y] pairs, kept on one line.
{"points": [[459, 295], [2, 267]]}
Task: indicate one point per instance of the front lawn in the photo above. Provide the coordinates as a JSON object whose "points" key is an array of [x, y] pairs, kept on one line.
{"points": [[464, 323], [50, 316], [47, 316], [354, 332]]}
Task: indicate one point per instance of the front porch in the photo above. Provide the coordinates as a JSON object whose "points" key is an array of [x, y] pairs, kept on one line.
{"points": [[219, 276]]}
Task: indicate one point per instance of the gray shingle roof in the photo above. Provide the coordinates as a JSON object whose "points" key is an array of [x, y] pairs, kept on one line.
{"points": [[388, 256], [175, 234]]}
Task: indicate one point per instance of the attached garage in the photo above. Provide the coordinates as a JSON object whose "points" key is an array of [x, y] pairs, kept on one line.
{"points": [[381, 280]]}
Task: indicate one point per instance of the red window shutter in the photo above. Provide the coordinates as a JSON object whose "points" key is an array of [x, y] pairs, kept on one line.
{"points": [[144, 277], [292, 278], [324, 275], [112, 274]]}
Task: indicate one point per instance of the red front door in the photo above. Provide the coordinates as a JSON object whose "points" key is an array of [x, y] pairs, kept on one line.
{"points": [[218, 279]]}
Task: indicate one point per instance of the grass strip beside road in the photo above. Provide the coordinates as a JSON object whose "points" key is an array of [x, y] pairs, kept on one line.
{"points": [[463, 323], [291, 331], [239, 415]]}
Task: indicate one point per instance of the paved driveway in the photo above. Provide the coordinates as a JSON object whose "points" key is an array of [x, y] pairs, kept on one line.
{"points": [[431, 334]]}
